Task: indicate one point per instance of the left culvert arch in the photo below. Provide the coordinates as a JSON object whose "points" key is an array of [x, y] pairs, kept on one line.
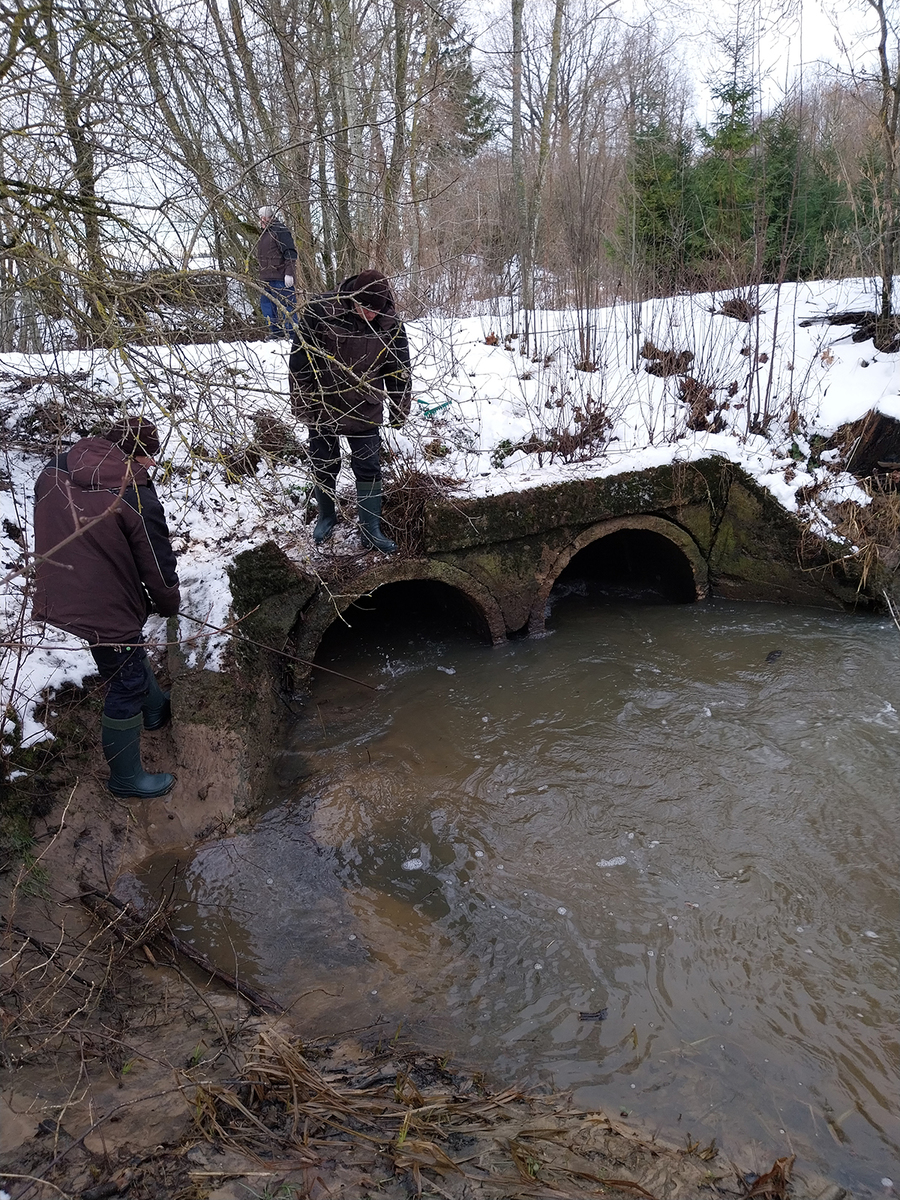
{"points": [[432, 595]]}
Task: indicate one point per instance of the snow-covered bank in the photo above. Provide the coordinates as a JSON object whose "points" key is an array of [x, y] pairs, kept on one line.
{"points": [[493, 414]]}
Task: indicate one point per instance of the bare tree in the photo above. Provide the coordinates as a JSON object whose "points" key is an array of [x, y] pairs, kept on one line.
{"points": [[889, 127]]}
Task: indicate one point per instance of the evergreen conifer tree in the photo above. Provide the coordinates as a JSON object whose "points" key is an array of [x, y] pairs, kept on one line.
{"points": [[720, 247], [802, 207], [655, 225]]}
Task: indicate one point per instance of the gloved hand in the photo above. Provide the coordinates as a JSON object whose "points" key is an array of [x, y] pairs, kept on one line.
{"points": [[289, 281]]}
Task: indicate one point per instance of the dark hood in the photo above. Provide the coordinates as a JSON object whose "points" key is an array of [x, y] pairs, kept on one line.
{"points": [[371, 289], [96, 464]]}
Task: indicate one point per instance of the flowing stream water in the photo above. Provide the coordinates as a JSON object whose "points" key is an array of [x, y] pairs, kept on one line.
{"points": [[681, 818]]}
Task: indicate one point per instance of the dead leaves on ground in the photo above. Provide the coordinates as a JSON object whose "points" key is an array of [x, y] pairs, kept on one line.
{"points": [[774, 1184], [438, 1131]]}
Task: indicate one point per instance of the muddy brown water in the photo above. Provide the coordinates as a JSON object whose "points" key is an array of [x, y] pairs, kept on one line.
{"points": [[684, 815]]}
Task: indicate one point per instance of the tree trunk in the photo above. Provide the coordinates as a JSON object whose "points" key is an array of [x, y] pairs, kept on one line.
{"points": [[338, 53], [889, 124], [523, 240], [394, 176], [547, 116]]}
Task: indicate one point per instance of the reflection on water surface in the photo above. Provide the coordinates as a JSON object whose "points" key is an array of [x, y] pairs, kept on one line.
{"points": [[648, 811]]}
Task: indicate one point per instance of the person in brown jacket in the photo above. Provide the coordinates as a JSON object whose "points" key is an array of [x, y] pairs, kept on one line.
{"points": [[350, 351], [102, 583]]}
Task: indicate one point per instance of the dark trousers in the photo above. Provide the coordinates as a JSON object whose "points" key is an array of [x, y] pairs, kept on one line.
{"points": [[124, 671], [325, 456]]}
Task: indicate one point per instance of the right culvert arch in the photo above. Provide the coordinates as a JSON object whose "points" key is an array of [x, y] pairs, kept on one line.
{"points": [[645, 559]]}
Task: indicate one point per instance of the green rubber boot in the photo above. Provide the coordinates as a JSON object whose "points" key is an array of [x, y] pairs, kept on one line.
{"points": [[327, 515], [122, 749], [157, 708], [368, 507]]}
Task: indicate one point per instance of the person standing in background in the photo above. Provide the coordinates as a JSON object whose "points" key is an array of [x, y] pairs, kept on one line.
{"points": [[276, 257]]}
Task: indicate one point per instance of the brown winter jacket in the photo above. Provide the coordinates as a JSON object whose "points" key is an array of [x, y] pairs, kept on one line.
{"points": [[341, 365], [276, 253], [101, 585]]}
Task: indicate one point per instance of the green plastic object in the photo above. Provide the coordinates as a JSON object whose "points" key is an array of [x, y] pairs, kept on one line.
{"points": [[430, 409]]}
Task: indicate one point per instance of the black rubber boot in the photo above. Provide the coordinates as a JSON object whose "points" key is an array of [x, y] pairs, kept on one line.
{"points": [[368, 504], [122, 749], [327, 515], [156, 709]]}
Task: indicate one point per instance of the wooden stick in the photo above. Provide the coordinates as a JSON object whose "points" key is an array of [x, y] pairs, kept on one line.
{"points": [[376, 687], [52, 953], [256, 999]]}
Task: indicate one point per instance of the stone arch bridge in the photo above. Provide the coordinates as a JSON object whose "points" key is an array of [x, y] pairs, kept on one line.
{"points": [[686, 530]]}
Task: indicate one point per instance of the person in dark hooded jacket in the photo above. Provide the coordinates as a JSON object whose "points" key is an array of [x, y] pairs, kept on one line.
{"points": [[104, 561], [349, 353]]}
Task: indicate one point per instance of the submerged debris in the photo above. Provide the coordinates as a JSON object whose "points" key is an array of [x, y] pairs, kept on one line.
{"points": [[774, 1184]]}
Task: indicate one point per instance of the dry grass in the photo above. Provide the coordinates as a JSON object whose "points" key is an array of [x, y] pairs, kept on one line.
{"points": [[405, 1118], [874, 530], [408, 493]]}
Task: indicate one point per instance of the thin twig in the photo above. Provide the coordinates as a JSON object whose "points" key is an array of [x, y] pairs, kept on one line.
{"points": [[50, 953], [113, 1112], [375, 687], [257, 999], [894, 615]]}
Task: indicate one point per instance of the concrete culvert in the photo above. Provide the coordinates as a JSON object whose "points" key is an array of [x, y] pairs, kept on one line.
{"points": [[405, 612], [634, 564]]}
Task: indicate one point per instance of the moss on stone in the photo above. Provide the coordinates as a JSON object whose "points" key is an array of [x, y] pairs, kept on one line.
{"points": [[265, 571], [549, 508], [759, 552], [507, 571], [269, 592]]}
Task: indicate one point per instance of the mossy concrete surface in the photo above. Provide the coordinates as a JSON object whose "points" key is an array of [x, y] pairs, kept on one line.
{"points": [[269, 593], [330, 602], [754, 549], [554, 508], [762, 552]]}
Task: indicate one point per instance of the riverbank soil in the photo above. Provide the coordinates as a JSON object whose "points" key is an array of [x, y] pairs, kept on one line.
{"points": [[170, 1089], [127, 1071]]}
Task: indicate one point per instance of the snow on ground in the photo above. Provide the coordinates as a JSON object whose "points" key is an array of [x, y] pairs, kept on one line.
{"points": [[493, 412]]}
